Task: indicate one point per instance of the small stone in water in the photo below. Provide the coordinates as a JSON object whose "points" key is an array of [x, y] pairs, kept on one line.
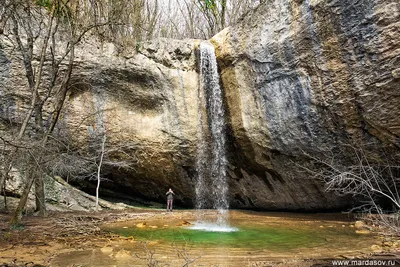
{"points": [[106, 250], [376, 248], [363, 232], [185, 223], [141, 225], [360, 225]]}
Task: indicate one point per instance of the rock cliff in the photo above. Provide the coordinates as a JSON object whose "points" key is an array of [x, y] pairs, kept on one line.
{"points": [[297, 76], [304, 75], [144, 99]]}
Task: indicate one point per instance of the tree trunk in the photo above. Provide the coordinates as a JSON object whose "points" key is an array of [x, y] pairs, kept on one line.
{"points": [[16, 219], [39, 76], [18, 212], [40, 196], [38, 116], [99, 170], [33, 83], [223, 14], [6, 169], [3, 179], [4, 193]]}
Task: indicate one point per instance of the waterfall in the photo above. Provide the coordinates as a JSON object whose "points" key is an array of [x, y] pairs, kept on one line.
{"points": [[212, 186]]}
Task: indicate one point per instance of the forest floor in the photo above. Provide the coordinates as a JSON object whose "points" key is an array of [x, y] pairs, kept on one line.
{"points": [[39, 240]]}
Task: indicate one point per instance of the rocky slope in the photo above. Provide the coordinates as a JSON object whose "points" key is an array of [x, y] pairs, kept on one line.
{"points": [[298, 76]]}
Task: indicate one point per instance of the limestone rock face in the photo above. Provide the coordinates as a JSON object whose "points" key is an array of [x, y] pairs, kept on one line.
{"points": [[301, 75], [144, 99]]}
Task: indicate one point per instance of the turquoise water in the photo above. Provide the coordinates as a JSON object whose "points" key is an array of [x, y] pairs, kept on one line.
{"points": [[246, 237], [255, 234], [261, 237]]}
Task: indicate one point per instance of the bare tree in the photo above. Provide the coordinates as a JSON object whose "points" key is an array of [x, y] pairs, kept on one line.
{"points": [[28, 21], [214, 12], [367, 173], [68, 160], [183, 252], [25, 20], [143, 20], [149, 256], [99, 165]]}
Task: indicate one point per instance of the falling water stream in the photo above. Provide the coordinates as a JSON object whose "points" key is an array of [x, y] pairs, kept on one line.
{"points": [[212, 186]]}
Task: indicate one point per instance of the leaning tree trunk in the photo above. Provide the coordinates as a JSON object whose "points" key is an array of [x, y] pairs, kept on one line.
{"points": [[4, 173], [4, 193], [40, 196], [34, 85], [16, 219]]}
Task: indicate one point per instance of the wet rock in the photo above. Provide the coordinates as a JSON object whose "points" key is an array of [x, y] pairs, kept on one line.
{"points": [[360, 225], [106, 250], [363, 232], [376, 249], [123, 254], [185, 223], [130, 238], [141, 225], [387, 244]]}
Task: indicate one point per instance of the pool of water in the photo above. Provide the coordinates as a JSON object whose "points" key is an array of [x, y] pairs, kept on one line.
{"points": [[252, 237], [251, 230], [274, 237]]}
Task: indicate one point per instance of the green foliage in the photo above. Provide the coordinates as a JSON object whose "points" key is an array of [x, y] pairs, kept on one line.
{"points": [[45, 3], [138, 46], [18, 227], [61, 8], [210, 4], [7, 236]]}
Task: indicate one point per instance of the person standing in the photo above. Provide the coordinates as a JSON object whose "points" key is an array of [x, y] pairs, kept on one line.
{"points": [[170, 198]]}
